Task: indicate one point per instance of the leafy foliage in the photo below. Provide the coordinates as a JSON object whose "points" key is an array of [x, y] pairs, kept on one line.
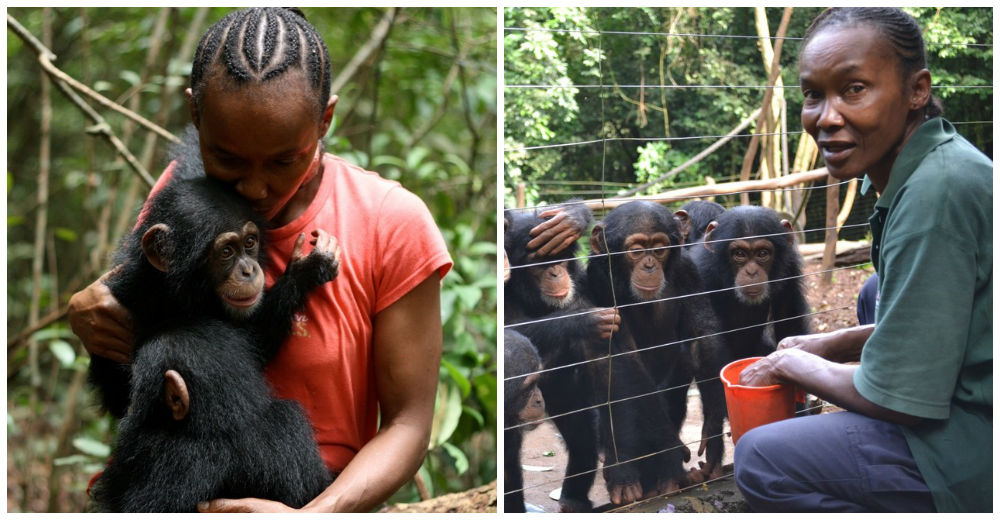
{"points": [[421, 110], [668, 81]]}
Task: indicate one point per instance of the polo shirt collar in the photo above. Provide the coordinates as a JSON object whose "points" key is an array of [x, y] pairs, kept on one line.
{"points": [[930, 134]]}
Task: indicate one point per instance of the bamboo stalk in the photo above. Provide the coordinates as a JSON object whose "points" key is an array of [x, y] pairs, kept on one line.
{"points": [[774, 72], [830, 251]]}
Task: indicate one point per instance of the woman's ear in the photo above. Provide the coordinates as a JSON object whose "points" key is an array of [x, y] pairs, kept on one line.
{"points": [[920, 83], [192, 106], [328, 115]]}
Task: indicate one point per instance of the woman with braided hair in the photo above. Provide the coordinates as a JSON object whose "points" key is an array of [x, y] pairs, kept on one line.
{"points": [[364, 355], [918, 431]]}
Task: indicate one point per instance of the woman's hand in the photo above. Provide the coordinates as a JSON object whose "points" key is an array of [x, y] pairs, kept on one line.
{"points": [[102, 324], [779, 367], [841, 346], [244, 505]]}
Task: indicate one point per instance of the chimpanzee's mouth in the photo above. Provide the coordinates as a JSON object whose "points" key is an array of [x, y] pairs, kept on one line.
{"points": [[242, 302]]}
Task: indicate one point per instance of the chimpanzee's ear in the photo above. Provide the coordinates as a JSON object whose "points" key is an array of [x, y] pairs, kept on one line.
{"points": [[707, 237], [791, 231], [597, 242], [176, 395], [684, 223], [154, 245]]}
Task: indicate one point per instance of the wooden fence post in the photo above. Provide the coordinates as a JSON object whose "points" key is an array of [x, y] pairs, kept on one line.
{"points": [[832, 209]]}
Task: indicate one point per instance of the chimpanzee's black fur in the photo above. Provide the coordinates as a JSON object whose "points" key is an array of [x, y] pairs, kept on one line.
{"points": [[236, 440]]}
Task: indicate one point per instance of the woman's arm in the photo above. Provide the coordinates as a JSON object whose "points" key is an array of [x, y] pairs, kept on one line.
{"points": [[828, 380], [407, 346], [407, 341], [841, 346]]}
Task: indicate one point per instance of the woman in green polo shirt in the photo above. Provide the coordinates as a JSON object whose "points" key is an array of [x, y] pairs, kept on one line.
{"points": [[917, 435]]}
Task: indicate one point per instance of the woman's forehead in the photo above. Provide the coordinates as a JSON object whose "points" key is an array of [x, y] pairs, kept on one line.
{"points": [[843, 50]]}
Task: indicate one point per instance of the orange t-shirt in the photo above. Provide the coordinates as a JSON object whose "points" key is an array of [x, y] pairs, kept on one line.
{"points": [[388, 245]]}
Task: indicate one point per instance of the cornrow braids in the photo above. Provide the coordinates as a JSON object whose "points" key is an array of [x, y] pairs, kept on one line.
{"points": [[259, 44], [899, 28]]}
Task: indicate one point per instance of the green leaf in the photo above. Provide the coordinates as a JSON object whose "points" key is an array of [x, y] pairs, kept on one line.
{"points": [[472, 412], [92, 447], [463, 382], [63, 351], [461, 461], [52, 333], [130, 77], [65, 234], [425, 474], [468, 295], [448, 299], [72, 460], [452, 412]]}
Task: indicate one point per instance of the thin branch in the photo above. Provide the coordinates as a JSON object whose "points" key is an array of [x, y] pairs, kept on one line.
{"points": [[701, 155], [466, 109], [100, 127], [378, 36], [43, 322], [45, 57], [422, 132]]}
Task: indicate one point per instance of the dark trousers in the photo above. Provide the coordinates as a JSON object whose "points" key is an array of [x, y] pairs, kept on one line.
{"points": [[835, 462]]}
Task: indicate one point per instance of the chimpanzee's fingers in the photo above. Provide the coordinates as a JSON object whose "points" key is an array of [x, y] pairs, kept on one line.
{"points": [[297, 249], [335, 247], [550, 241], [540, 230], [321, 240], [566, 238], [550, 212]]}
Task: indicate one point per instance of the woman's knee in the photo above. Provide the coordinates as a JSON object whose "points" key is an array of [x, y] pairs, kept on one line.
{"points": [[756, 453]]}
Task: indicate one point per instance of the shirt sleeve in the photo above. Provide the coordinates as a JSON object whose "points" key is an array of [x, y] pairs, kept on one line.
{"points": [[913, 360], [410, 247]]}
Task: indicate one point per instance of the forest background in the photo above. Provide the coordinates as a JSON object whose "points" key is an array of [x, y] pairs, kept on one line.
{"points": [[598, 101], [418, 90]]}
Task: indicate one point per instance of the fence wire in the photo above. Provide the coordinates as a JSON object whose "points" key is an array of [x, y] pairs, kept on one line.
{"points": [[607, 193]]}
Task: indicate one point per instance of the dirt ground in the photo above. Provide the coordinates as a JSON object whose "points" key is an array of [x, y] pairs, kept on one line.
{"points": [[543, 453]]}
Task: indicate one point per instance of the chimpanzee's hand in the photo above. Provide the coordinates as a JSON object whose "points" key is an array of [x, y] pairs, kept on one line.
{"points": [[556, 233], [323, 262], [606, 320], [102, 324], [243, 505]]}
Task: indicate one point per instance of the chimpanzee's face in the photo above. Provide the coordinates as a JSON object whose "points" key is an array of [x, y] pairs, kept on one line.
{"points": [[235, 269]]}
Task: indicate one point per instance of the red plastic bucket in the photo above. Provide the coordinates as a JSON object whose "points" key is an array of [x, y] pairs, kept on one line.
{"points": [[753, 406]]}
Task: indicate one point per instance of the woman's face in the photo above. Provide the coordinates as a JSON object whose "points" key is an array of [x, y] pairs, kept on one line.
{"points": [[262, 138], [856, 104]]}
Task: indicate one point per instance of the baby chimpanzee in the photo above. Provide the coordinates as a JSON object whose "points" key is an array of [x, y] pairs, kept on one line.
{"points": [[199, 419]]}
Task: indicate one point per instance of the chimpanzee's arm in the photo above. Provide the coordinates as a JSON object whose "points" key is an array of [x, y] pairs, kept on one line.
{"points": [[570, 325], [273, 321]]}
